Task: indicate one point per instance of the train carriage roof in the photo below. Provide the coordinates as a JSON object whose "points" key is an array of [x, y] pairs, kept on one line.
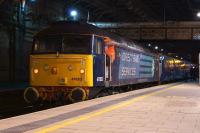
{"points": [[64, 27]]}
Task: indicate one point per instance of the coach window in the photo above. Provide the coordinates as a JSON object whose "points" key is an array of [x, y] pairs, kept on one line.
{"points": [[98, 48]]}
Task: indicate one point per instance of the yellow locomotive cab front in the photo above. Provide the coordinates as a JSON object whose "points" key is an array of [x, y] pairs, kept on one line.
{"points": [[69, 75], [61, 70], [61, 67]]}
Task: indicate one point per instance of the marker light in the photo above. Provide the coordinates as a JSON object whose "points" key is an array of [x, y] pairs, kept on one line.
{"points": [[82, 71], [35, 71]]}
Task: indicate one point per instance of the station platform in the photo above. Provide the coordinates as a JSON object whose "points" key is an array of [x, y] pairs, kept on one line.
{"points": [[170, 108]]}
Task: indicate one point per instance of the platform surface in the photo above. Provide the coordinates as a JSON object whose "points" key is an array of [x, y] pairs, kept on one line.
{"points": [[171, 108]]}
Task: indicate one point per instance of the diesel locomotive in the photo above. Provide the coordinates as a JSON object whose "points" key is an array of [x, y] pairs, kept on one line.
{"points": [[75, 61]]}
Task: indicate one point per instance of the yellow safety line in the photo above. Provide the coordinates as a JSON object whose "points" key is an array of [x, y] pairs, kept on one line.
{"points": [[99, 112]]}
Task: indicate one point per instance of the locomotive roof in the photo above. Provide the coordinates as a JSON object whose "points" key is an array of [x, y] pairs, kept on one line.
{"points": [[64, 27]]}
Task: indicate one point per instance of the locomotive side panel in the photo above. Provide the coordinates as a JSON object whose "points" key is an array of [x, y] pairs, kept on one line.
{"points": [[133, 67]]}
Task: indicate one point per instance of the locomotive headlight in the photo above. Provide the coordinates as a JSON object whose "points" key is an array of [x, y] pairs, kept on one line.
{"points": [[82, 71], [35, 71]]}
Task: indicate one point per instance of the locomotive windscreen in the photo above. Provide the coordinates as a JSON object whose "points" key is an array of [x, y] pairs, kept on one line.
{"points": [[77, 44], [69, 44], [50, 44]]}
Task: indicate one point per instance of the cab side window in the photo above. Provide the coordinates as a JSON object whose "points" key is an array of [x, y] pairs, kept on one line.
{"points": [[98, 46]]}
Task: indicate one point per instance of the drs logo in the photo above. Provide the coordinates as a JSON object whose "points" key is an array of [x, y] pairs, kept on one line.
{"points": [[129, 64]]}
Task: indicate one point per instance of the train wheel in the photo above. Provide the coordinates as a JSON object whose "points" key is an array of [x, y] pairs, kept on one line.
{"points": [[31, 95], [77, 94]]}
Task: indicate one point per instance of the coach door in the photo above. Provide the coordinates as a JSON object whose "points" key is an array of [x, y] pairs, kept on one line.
{"points": [[99, 61], [109, 56], [160, 66], [107, 68]]}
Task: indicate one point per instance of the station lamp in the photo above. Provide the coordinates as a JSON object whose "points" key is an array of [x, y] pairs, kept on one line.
{"points": [[74, 14], [23, 5], [156, 47], [198, 14]]}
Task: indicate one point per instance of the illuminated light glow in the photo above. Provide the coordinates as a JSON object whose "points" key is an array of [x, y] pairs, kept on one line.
{"points": [[35, 71], [171, 62], [182, 65], [162, 50], [23, 5], [73, 13], [193, 67], [176, 56], [198, 14], [82, 71], [162, 57], [177, 61], [156, 47], [149, 45]]}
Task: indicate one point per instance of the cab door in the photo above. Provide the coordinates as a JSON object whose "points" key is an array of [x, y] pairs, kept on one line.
{"points": [[107, 68], [99, 61]]}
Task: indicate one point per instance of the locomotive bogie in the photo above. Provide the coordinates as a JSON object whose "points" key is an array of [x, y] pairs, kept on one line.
{"points": [[56, 93]]}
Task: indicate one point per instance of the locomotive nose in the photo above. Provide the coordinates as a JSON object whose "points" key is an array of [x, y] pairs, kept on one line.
{"points": [[31, 95]]}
